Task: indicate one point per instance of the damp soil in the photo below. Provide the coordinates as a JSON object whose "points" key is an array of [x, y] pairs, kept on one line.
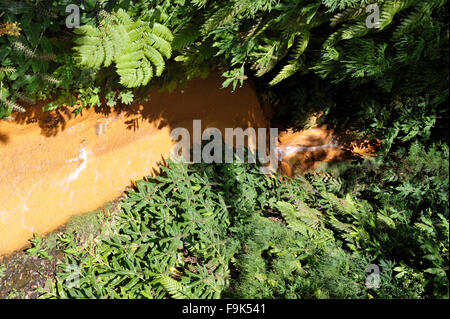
{"points": [[24, 275]]}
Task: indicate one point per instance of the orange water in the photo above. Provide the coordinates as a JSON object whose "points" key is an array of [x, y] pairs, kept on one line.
{"points": [[54, 165]]}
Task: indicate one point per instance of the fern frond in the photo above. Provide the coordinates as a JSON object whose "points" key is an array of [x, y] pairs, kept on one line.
{"points": [[109, 49], [49, 79], [160, 44], [23, 49], [354, 31], [175, 289], [156, 58], [147, 71], [162, 31], [344, 206], [420, 12], [123, 18], [119, 36], [137, 49], [296, 63], [334, 5], [268, 60], [287, 71], [10, 104], [301, 218], [302, 44], [390, 9], [221, 16], [343, 227], [86, 53], [347, 14], [186, 36], [24, 98], [7, 69], [386, 220], [199, 3]]}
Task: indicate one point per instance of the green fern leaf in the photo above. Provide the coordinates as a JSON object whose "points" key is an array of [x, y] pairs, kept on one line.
{"points": [[390, 9], [12, 105], [160, 44], [286, 72], [162, 31], [156, 58], [175, 289], [301, 218], [134, 47]]}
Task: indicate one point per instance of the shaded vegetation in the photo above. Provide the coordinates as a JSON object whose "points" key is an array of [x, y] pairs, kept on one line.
{"points": [[210, 231]]}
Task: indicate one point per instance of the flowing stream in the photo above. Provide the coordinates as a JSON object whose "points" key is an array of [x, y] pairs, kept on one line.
{"points": [[54, 165]]}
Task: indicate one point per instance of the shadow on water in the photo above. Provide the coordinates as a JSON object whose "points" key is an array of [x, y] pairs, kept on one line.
{"points": [[4, 138], [200, 99]]}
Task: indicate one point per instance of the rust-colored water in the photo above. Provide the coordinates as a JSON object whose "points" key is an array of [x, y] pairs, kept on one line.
{"points": [[305, 150], [54, 165]]}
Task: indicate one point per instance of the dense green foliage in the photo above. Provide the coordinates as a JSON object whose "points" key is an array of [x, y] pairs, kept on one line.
{"points": [[272, 39], [210, 231], [136, 48]]}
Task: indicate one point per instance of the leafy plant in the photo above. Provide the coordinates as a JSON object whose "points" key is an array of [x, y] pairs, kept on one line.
{"points": [[192, 233], [38, 248], [137, 48]]}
